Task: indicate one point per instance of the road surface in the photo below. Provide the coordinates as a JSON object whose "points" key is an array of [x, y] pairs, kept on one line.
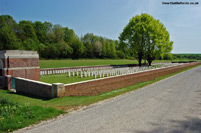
{"points": [[170, 105]]}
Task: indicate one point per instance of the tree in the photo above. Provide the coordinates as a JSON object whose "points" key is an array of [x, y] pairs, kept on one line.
{"points": [[98, 48], [27, 30], [78, 49], [113, 49], [8, 39], [146, 37], [69, 36]]}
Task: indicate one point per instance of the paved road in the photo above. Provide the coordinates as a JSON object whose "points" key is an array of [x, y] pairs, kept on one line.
{"points": [[170, 105]]}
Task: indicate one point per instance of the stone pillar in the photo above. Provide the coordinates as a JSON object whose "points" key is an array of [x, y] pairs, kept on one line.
{"points": [[57, 90]]}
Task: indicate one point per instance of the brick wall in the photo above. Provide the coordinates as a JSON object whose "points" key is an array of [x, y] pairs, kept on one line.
{"points": [[98, 86], [23, 62], [32, 87], [92, 87]]}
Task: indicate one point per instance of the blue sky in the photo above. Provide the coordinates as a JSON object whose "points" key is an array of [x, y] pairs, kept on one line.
{"points": [[108, 17]]}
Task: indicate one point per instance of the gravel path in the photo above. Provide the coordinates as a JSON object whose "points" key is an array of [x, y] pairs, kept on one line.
{"points": [[170, 105]]}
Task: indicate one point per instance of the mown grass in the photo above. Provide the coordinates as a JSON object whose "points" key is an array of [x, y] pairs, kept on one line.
{"points": [[14, 115], [62, 78], [91, 62], [87, 62]]}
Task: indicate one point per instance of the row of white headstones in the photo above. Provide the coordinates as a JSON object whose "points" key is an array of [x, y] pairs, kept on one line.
{"points": [[101, 72]]}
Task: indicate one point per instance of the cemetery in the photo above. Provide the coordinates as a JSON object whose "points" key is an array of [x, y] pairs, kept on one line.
{"points": [[76, 74], [79, 56], [21, 72]]}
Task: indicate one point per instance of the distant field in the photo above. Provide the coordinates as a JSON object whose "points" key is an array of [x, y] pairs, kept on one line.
{"points": [[73, 63], [89, 62]]}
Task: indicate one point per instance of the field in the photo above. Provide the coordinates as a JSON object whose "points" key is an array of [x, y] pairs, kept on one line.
{"points": [[73, 63], [90, 62]]}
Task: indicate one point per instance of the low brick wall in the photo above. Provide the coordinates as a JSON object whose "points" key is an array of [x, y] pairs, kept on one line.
{"points": [[97, 86], [33, 87], [92, 87]]}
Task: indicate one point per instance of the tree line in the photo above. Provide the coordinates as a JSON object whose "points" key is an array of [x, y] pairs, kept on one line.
{"points": [[55, 41], [187, 56], [144, 38]]}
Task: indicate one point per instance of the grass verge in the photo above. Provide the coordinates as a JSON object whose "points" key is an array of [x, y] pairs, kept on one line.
{"points": [[26, 115], [14, 115]]}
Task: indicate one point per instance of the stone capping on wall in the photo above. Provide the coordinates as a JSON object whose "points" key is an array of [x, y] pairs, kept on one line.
{"points": [[38, 88], [17, 68], [34, 81], [18, 54]]}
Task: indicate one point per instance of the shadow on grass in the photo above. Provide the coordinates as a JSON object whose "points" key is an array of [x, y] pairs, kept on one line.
{"points": [[28, 95]]}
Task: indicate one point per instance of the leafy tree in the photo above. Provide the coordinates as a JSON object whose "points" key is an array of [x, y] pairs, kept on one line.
{"points": [[104, 54], [26, 30], [113, 49], [58, 32], [69, 36], [30, 44], [120, 54], [78, 49], [8, 39], [42, 30], [146, 37], [98, 48]]}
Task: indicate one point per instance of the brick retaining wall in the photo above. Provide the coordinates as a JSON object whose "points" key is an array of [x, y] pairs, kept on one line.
{"points": [[95, 87], [91, 87]]}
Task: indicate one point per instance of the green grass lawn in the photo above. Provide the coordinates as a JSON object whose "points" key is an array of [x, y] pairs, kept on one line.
{"points": [[73, 63], [90, 62], [62, 78]]}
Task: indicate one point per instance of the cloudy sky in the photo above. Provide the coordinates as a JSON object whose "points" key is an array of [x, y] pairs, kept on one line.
{"points": [[108, 17]]}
